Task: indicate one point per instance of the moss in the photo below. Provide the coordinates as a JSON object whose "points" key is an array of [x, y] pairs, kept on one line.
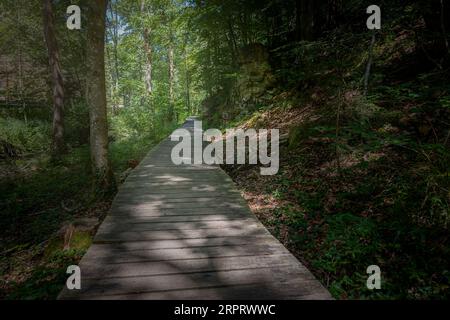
{"points": [[80, 240]]}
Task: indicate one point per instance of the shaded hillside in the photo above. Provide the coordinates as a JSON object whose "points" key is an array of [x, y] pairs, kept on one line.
{"points": [[363, 179]]}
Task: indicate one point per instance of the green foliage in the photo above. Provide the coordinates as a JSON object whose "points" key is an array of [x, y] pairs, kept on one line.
{"points": [[30, 206], [30, 136], [31, 213], [133, 148], [76, 118], [369, 222], [45, 280], [365, 180]]}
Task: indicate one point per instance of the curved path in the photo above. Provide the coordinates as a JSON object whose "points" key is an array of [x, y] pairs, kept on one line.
{"points": [[185, 232]]}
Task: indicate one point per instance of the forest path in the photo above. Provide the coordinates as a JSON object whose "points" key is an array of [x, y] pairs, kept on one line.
{"points": [[185, 232]]}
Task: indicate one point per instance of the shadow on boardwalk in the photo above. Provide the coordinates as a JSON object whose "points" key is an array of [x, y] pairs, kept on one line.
{"points": [[184, 232]]}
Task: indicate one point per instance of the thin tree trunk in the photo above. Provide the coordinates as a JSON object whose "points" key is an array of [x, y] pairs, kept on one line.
{"points": [[444, 32], [243, 25], [109, 63], [20, 76], [233, 42], [146, 33], [115, 45], [298, 21], [369, 65], [96, 95], [114, 67], [187, 75], [58, 146], [209, 72], [7, 85], [20, 66], [171, 77], [307, 19], [149, 64]]}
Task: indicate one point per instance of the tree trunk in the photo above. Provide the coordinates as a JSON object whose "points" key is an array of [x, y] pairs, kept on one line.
{"points": [[149, 63], [96, 94], [209, 70], [306, 19], [444, 32], [232, 43], [20, 71], [298, 22], [146, 33], [114, 67], [171, 78], [369, 64], [58, 146], [187, 75]]}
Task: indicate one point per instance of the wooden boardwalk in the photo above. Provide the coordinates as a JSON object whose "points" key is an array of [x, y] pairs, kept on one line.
{"points": [[185, 232]]}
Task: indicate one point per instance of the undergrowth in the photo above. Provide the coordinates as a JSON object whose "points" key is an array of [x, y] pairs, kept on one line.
{"points": [[363, 180], [38, 197]]}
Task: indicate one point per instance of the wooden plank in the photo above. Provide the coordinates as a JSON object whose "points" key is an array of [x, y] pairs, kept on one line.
{"points": [[178, 234], [185, 232], [173, 198], [212, 205], [187, 204], [149, 167], [166, 189], [236, 292], [183, 225], [181, 243], [124, 219], [132, 211], [104, 253], [185, 266], [176, 193], [277, 280], [178, 170]]}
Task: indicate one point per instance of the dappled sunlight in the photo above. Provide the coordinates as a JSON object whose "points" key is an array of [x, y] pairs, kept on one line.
{"points": [[189, 234], [224, 149]]}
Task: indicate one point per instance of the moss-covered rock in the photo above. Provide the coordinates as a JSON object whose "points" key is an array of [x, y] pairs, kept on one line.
{"points": [[255, 75]]}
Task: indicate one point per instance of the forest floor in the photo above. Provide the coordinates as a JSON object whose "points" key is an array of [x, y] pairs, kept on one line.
{"points": [[340, 216], [49, 215], [364, 178]]}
